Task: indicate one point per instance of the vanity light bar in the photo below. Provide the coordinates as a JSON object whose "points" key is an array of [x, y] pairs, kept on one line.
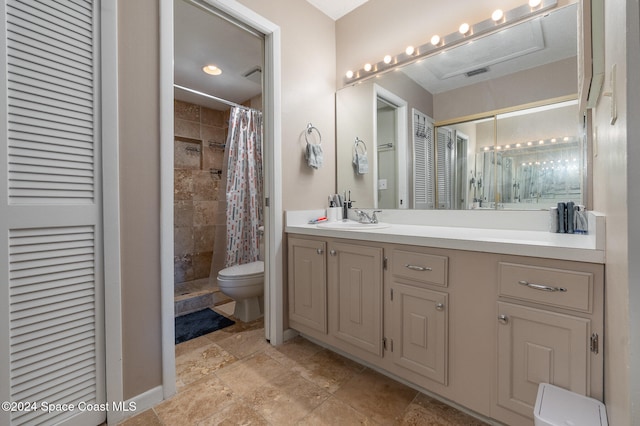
{"points": [[437, 43], [532, 144]]}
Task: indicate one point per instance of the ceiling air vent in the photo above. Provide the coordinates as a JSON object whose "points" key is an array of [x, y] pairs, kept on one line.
{"points": [[254, 74], [476, 71]]}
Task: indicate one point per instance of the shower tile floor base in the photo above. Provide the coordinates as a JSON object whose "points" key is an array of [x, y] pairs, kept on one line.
{"points": [[192, 296]]}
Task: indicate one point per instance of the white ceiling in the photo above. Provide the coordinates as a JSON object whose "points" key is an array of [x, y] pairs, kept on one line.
{"points": [[202, 38], [336, 9]]}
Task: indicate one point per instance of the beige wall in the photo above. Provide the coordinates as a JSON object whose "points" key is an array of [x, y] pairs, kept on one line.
{"points": [[139, 194], [308, 89], [610, 197], [632, 87]]}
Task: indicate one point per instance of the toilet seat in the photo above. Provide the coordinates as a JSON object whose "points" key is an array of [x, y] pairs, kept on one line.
{"points": [[242, 272]]}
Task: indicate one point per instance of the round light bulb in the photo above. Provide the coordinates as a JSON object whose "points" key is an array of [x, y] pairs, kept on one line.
{"points": [[387, 59], [367, 67], [410, 50], [498, 147], [566, 138], [212, 70], [464, 28], [518, 145], [534, 3], [349, 74], [497, 15], [486, 148], [541, 142], [435, 40], [553, 140]]}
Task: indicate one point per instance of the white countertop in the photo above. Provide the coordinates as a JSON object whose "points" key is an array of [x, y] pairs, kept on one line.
{"points": [[583, 248]]}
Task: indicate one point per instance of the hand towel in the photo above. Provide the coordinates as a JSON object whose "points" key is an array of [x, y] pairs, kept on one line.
{"points": [[360, 163], [313, 155]]}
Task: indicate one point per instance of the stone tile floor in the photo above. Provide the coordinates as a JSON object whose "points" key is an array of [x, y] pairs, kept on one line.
{"points": [[234, 376]]}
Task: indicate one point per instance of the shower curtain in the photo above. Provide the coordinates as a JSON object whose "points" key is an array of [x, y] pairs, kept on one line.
{"points": [[244, 186]]}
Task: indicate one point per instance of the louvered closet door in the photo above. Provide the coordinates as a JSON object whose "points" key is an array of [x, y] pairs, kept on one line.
{"points": [[423, 164], [51, 295]]}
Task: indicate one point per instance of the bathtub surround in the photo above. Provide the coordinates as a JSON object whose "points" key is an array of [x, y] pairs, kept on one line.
{"points": [[198, 205]]}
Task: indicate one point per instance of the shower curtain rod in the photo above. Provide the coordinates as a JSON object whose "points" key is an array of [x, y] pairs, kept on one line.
{"points": [[215, 98]]}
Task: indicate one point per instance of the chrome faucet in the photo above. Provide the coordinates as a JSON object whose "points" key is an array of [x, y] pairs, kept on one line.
{"points": [[363, 217]]}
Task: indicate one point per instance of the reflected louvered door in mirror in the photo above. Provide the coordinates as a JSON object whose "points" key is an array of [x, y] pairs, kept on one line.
{"points": [[423, 163], [51, 288]]}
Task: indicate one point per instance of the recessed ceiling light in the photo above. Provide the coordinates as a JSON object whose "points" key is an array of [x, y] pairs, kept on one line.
{"points": [[212, 70]]}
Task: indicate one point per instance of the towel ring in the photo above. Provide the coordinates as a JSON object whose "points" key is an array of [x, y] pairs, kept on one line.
{"points": [[310, 129], [358, 142]]}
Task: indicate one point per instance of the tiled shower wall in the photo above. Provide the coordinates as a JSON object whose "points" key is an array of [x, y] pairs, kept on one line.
{"points": [[199, 194]]}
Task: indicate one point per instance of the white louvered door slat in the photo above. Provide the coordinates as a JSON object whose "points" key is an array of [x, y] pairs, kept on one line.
{"points": [[52, 297]]}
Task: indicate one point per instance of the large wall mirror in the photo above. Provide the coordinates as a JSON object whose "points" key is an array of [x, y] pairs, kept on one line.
{"points": [[489, 124]]}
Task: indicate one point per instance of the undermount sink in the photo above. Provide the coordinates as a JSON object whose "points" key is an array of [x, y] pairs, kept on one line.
{"points": [[352, 225]]}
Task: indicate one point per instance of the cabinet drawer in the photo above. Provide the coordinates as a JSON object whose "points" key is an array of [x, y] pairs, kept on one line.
{"points": [[548, 286], [426, 268]]}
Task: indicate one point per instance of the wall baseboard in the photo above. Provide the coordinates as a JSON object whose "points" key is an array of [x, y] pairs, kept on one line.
{"points": [[136, 405]]}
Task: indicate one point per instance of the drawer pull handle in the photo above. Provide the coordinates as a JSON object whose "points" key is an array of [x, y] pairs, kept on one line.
{"points": [[541, 287], [319, 251], [503, 319], [332, 252], [417, 268], [439, 306]]}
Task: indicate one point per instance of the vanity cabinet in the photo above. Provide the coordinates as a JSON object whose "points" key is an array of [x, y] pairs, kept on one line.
{"points": [[355, 296], [418, 341], [307, 288], [479, 329], [548, 332], [418, 333]]}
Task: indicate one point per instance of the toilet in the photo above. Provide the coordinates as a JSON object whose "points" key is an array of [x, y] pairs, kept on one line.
{"points": [[245, 284]]}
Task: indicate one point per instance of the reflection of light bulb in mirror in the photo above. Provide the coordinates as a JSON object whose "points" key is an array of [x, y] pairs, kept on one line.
{"points": [[524, 164], [534, 3], [409, 50], [486, 148], [507, 146], [349, 74], [566, 138], [387, 59], [464, 28], [435, 40], [553, 140], [541, 142], [497, 15], [498, 147], [518, 145], [367, 67], [529, 143]]}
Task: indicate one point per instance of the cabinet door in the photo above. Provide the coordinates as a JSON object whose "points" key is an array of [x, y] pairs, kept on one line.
{"points": [[307, 284], [537, 346], [355, 283], [420, 327]]}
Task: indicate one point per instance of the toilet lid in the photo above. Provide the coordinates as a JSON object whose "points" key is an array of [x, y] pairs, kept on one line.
{"points": [[243, 271]]}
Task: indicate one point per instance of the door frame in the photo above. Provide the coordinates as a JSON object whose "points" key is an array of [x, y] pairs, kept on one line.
{"points": [[274, 317], [401, 112]]}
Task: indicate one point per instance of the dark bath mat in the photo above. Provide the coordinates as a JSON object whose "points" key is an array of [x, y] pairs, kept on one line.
{"points": [[198, 323]]}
